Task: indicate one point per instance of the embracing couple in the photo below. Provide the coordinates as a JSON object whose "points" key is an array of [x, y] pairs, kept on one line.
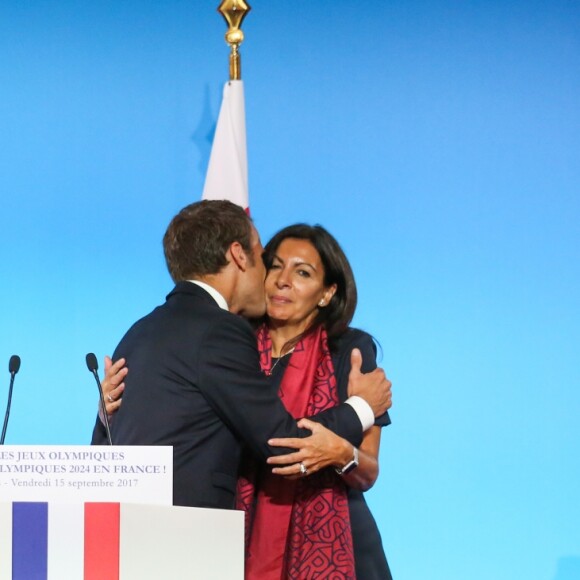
{"points": [[280, 416]]}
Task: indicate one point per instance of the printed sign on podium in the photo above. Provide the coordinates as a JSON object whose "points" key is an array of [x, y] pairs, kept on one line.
{"points": [[69, 473]]}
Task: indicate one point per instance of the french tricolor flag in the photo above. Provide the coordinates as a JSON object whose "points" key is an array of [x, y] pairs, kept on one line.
{"points": [[119, 541], [57, 541]]}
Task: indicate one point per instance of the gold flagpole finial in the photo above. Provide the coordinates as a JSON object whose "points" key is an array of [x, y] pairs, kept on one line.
{"points": [[234, 12]]}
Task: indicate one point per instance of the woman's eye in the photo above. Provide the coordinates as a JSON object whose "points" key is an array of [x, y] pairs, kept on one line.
{"points": [[304, 273], [275, 267]]}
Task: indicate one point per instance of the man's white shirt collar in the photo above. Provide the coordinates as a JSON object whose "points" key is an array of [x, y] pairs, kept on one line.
{"points": [[221, 301]]}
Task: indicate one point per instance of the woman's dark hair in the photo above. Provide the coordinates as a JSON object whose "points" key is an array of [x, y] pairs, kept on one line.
{"points": [[336, 316]]}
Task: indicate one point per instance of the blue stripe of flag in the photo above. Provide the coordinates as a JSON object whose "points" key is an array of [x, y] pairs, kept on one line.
{"points": [[29, 540]]}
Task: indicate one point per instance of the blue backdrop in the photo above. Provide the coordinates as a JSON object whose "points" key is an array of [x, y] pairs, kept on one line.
{"points": [[438, 140]]}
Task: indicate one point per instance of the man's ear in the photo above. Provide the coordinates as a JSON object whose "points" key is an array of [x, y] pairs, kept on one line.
{"points": [[239, 257]]}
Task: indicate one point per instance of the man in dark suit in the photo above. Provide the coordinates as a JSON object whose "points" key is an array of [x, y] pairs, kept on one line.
{"points": [[195, 381]]}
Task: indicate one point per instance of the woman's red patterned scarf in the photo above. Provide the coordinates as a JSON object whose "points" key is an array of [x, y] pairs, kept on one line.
{"points": [[298, 529]]}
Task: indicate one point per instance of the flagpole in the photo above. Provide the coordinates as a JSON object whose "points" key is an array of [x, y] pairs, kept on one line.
{"points": [[234, 12], [227, 170]]}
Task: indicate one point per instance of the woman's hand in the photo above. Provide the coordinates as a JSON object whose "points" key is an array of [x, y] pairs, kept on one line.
{"points": [[313, 453], [113, 384]]}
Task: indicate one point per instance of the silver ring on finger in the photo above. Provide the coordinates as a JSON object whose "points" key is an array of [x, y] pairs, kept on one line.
{"points": [[111, 400], [303, 469]]}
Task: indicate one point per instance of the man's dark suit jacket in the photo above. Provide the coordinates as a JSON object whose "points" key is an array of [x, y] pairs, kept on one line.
{"points": [[195, 383]]}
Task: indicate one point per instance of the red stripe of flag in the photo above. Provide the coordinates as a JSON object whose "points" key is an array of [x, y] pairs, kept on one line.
{"points": [[102, 525]]}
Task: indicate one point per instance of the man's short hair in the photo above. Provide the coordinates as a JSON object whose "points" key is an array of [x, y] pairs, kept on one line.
{"points": [[198, 237]]}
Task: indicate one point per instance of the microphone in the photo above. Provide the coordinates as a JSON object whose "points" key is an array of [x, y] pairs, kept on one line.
{"points": [[13, 368], [14, 364], [93, 366]]}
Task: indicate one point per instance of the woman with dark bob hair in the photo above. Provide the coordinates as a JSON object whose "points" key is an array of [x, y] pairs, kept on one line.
{"points": [[337, 314], [301, 526], [319, 525]]}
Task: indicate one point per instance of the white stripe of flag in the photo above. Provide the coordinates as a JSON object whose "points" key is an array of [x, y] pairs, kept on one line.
{"points": [[227, 171]]}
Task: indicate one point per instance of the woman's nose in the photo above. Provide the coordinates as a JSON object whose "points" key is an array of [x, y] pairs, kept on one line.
{"points": [[283, 279]]}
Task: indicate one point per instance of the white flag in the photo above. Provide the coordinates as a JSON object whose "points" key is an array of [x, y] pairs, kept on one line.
{"points": [[227, 172]]}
